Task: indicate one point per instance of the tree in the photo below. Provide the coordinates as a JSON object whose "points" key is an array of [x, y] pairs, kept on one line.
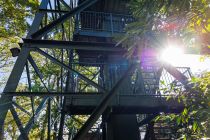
{"points": [[186, 23], [194, 121], [14, 16]]}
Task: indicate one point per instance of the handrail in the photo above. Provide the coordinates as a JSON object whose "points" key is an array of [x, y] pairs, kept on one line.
{"points": [[101, 21], [152, 82], [108, 13]]}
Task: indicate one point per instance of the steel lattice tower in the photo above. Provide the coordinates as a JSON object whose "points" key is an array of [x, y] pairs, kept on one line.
{"points": [[119, 90]]}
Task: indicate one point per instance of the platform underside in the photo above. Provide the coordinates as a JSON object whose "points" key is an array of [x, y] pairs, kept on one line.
{"points": [[122, 104]]}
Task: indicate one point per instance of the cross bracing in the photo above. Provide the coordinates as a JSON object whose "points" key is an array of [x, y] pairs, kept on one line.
{"points": [[94, 78]]}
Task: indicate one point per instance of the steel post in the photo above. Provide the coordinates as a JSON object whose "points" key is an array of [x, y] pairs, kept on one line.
{"points": [[68, 88], [49, 119]]}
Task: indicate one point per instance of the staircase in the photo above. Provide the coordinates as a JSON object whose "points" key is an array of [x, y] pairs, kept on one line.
{"points": [[156, 131], [162, 131], [150, 80], [150, 72]]}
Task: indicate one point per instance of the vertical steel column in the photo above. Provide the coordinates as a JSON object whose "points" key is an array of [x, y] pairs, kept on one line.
{"points": [[29, 86], [111, 20], [16, 73], [69, 87], [77, 22], [49, 119]]}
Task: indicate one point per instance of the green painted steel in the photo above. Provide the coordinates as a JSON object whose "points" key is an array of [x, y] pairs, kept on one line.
{"points": [[124, 86]]}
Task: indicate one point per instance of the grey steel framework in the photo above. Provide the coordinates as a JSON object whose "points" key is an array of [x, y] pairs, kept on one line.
{"points": [[111, 104]]}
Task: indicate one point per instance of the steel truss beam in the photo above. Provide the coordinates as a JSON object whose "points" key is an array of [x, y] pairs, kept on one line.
{"points": [[48, 94], [35, 67], [52, 11], [7, 94], [38, 19], [94, 46], [86, 85], [21, 108], [29, 45]]}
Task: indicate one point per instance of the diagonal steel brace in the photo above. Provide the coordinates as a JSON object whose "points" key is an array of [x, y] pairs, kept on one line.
{"points": [[70, 69], [40, 33], [103, 105]]}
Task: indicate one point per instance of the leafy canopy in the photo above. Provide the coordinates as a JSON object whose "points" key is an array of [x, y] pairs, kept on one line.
{"points": [[14, 18], [185, 22]]}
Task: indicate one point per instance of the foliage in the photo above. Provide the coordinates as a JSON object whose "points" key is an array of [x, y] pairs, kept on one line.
{"points": [[186, 23], [194, 121], [14, 15], [53, 77], [155, 20], [14, 18], [160, 23]]}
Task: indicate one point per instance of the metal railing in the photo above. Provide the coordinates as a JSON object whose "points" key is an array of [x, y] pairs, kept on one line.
{"points": [[168, 81], [103, 22], [156, 80]]}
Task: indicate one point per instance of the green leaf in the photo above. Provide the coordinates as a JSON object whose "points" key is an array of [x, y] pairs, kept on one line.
{"points": [[178, 120], [195, 126], [157, 118], [185, 112], [185, 137], [162, 82]]}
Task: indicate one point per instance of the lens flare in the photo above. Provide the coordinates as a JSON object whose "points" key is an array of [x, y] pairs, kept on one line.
{"points": [[172, 55]]}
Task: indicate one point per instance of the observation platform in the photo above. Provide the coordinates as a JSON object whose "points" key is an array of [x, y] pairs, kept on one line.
{"points": [[80, 104]]}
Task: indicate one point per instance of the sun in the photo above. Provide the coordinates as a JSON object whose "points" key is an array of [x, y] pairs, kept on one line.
{"points": [[172, 55]]}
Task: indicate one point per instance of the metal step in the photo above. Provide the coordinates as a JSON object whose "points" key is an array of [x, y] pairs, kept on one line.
{"points": [[162, 131]]}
